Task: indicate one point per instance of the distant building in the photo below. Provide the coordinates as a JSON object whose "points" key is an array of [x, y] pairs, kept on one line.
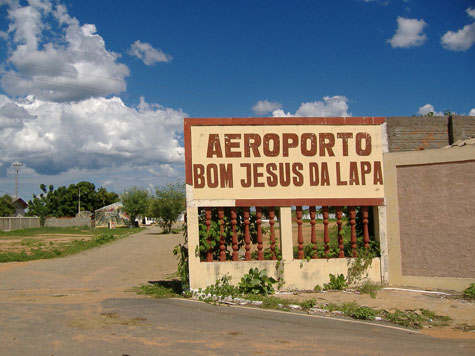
{"points": [[20, 206], [111, 216]]}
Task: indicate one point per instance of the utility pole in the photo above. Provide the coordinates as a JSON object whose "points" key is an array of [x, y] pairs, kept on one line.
{"points": [[17, 166], [79, 200]]}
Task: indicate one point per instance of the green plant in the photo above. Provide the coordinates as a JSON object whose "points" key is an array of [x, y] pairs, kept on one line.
{"points": [[318, 288], [181, 251], [223, 288], [415, 318], [357, 267], [308, 304], [370, 288], [257, 282], [336, 282], [275, 303], [469, 293]]}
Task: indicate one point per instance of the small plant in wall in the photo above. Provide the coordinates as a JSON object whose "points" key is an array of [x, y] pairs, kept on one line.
{"points": [[336, 282], [257, 282]]}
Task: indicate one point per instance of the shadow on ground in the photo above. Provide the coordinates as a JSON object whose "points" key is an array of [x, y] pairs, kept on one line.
{"points": [[174, 284]]}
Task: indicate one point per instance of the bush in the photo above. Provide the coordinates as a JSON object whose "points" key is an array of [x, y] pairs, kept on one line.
{"points": [[336, 282], [257, 282], [469, 293]]}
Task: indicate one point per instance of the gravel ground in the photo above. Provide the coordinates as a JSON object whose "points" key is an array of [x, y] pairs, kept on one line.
{"points": [[118, 266]]}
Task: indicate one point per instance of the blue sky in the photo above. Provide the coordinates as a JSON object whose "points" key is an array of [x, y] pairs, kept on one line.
{"points": [[97, 90]]}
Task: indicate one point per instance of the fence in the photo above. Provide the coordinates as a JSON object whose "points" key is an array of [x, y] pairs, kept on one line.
{"points": [[69, 222], [16, 223], [301, 252]]}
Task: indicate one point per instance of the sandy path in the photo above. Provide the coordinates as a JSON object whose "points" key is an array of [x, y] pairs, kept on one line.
{"points": [[118, 266]]}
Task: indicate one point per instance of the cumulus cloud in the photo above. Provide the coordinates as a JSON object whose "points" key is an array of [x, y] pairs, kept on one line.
{"points": [[61, 116], [52, 56], [148, 54], [424, 110], [98, 132], [409, 33], [472, 112], [334, 106], [263, 107], [463, 39]]}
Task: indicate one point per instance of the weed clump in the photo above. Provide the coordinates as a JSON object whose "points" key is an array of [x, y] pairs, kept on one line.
{"points": [[469, 293]]}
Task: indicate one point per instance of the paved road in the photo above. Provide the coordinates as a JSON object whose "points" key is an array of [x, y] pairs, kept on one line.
{"points": [[77, 306]]}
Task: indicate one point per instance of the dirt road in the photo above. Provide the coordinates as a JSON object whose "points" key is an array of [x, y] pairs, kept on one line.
{"points": [[99, 273]]}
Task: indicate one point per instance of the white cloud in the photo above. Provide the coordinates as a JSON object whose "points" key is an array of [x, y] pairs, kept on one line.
{"points": [[263, 107], [56, 137], [335, 106], [409, 33], [147, 53], [72, 65], [472, 112], [424, 110], [461, 40]]}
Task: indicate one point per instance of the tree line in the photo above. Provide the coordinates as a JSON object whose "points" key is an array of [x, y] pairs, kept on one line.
{"points": [[166, 204]]}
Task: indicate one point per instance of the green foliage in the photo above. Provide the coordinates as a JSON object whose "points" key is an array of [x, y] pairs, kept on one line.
{"points": [[257, 282], [6, 206], [223, 288], [181, 251], [64, 201], [135, 202], [370, 288], [308, 304], [318, 288], [469, 293], [415, 319], [336, 282], [355, 311], [357, 267], [168, 204]]}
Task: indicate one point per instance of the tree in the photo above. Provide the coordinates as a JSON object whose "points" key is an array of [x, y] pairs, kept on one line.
{"points": [[6, 206], [168, 204], [66, 201], [135, 201]]}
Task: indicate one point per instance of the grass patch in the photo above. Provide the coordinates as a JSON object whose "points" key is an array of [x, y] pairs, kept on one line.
{"points": [[161, 289], [415, 319], [32, 244]]}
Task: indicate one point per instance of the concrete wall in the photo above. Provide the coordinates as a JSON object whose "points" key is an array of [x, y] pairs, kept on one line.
{"points": [[417, 133], [68, 222], [16, 223], [462, 127], [430, 197]]}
